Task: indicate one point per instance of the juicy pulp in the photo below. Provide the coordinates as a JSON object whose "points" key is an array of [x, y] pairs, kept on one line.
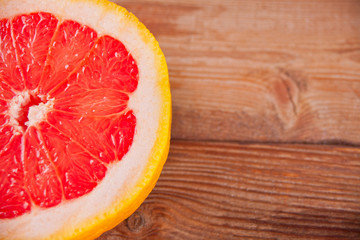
{"points": [[88, 79]]}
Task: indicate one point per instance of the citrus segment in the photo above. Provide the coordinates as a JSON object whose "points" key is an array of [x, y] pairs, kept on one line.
{"points": [[41, 178], [4, 119], [71, 43], [16, 201], [6, 131], [6, 92], [3, 108], [100, 86], [32, 36], [91, 102], [79, 171], [9, 68], [114, 133], [109, 65]]}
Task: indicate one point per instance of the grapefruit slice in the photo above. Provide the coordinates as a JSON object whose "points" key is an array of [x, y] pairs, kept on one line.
{"points": [[85, 113]]}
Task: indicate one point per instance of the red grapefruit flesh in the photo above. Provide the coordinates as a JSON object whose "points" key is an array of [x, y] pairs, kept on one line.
{"points": [[61, 85], [11, 79], [32, 35], [13, 197]]}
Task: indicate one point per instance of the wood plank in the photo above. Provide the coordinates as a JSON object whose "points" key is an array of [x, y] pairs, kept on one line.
{"points": [[279, 70], [233, 191]]}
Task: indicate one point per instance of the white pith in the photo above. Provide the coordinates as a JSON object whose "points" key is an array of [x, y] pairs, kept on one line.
{"points": [[36, 113], [15, 108], [145, 102]]}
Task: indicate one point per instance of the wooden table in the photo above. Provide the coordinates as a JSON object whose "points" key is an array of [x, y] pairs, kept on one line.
{"points": [[266, 121]]}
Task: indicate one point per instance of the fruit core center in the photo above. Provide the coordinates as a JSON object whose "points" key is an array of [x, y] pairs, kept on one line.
{"points": [[28, 109]]}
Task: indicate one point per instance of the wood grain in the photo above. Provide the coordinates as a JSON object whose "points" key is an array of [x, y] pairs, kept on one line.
{"points": [[260, 71], [234, 191]]}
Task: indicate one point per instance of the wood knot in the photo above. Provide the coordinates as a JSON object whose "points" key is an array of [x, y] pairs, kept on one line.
{"points": [[287, 86], [135, 222]]}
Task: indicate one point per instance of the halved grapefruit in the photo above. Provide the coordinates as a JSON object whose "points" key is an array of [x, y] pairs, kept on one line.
{"points": [[85, 112]]}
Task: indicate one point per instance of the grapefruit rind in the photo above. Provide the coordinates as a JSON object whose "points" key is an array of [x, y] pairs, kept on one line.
{"points": [[116, 197]]}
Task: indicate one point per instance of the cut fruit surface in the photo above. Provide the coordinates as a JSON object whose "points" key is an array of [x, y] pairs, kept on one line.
{"points": [[88, 92], [85, 112]]}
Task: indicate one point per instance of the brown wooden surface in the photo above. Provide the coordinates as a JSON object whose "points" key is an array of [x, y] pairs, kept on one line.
{"points": [[275, 73], [239, 191]]}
